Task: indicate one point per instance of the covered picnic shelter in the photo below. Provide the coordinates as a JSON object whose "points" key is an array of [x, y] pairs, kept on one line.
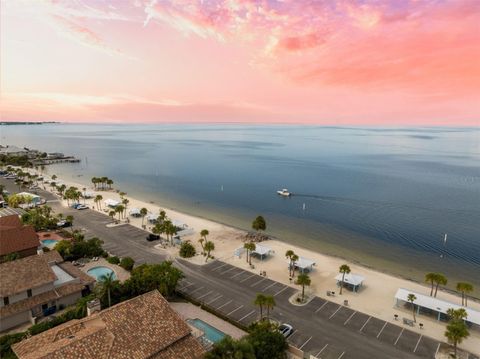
{"points": [[435, 307], [350, 281], [304, 264], [111, 203], [261, 251]]}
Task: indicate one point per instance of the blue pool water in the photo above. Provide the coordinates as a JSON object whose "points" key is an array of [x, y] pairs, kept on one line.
{"points": [[100, 271], [212, 333], [50, 243]]}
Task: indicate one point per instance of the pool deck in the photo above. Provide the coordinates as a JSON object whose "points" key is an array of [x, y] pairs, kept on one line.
{"points": [[42, 236], [122, 274], [190, 311]]}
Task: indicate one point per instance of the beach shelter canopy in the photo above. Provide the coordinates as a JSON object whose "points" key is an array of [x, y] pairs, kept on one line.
{"points": [[261, 250], [111, 203], [152, 217], [87, 194], [304, 263], [436, 305], [353, 279], [134, 212]]}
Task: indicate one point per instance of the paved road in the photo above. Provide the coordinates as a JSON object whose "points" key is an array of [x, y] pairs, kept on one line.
{"points": [[322, 328]]}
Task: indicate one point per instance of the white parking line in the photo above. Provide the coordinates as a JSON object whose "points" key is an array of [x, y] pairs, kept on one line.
{"points": [[363, 326], [241, 272], [242, 318], [341, 355], [188, 285], [228, 270], [291, 335], [196, 290], [233, 311], [416, 346], [244, 279], [281, 290], [221, 266], [260, 281], [271, 285], [225, 304], [320, 308], [399, 335], [320, 352], [381, 330], [436, 352], [305, 343], [339, 307], [350, 317], [205, 295], [213, 300]]}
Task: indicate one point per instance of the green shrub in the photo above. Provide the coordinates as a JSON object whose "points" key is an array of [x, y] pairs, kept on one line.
{"points": [[6, 342], [127, 263], [113, 260], [187, 250]]}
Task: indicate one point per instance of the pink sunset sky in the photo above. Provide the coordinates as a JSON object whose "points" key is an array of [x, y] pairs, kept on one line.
{"points": [[396, 62]]}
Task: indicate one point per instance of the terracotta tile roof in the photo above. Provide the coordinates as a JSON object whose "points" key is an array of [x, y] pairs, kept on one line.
{"points": [[52, 256], [24, 273], [77, 273], [142, 327], [29, 303], [14, 237]]}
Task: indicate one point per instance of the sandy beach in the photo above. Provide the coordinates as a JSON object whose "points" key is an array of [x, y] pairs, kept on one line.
{"points": [[376, 298]]}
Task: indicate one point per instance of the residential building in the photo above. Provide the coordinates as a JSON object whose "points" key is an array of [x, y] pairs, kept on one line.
{"points": [[13, 151], [17, 238], [37, 286], [143, 327]]}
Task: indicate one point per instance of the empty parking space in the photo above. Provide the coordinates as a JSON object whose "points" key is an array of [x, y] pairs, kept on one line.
{"points": [[427, 347], [390, 333], [372, 327], [328, 309], [332, 352], [357, 321], [342, 315], [408, 340]]}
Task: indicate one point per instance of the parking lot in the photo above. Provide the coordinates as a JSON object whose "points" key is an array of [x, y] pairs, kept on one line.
{"points": [[309, 338]]}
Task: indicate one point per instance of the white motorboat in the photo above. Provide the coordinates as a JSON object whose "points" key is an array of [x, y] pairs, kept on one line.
{"points": [[284, 192]]}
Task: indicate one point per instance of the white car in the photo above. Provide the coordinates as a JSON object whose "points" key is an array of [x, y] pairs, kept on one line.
{"points": [[285, 329], [81, 206]]}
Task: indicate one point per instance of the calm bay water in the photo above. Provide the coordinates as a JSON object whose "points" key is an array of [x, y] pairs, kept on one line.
{"points": [[384, 197]]}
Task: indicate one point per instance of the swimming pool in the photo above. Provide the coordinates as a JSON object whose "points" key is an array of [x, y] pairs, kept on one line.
{"points": [[212, 333], [50, 243], [100, 271]]}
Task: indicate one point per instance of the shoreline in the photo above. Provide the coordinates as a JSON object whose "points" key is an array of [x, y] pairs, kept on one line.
{"points": [[375, 299], [381, 265]]}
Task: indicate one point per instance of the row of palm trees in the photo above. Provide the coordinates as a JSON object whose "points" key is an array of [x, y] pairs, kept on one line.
{"points": [[437, 279], [266, 302], [102, 183]]}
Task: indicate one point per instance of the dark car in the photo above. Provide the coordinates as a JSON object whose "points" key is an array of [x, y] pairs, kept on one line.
{"points": [[153, 237], [64, 224]]}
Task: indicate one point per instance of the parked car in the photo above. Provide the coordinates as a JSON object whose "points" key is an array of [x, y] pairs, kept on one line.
{"points": [[74, 205], [153, 237], [63, 224], [81, 206], [285, 329]]}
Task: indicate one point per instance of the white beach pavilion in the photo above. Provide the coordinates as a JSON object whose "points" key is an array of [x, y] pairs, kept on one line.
{"points": [[111, 203], [304, 264], [353, 281], [262, 251], [134, 212], [434, 306]]}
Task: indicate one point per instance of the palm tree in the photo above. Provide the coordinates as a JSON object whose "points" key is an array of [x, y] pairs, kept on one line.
{"points": [[440, 279], [119, 209], [260, 302], [112, 214], [162, 216], [294, 260], [209, 246], [125, 202], [464, 288], [54, 177], [259, 224], [344, 269], [99, 197], [303, 280], [412, 298], [250, 247], [430, 278], [269, 304], [204, 233], [94, 181], [143, 213], [456, 331], [457, 314], [107, 282], [109, 183], [289, 255]]}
